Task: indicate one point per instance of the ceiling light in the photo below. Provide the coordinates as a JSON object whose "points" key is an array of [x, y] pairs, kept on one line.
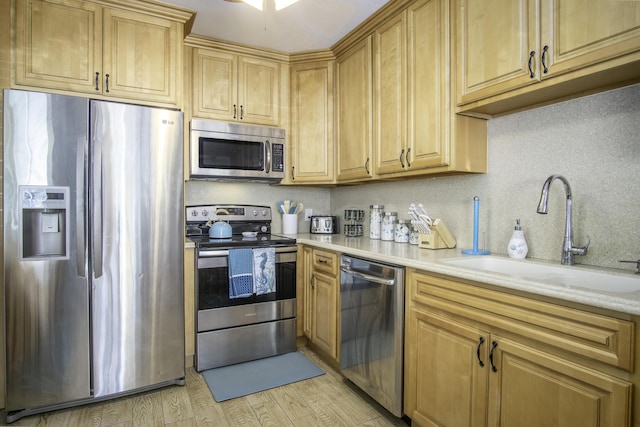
{"points": [[259, 4], [255, 3], [281, 4]]}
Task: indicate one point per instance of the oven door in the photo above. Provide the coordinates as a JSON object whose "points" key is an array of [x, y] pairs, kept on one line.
{"points": [[216, 310]]}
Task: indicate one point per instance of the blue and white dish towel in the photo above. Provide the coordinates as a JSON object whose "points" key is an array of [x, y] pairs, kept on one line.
{"points": [[240, 273], [264, 270]]}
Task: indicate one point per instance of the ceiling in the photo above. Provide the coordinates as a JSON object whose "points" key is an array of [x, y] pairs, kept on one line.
{"points": [[305, 25]]}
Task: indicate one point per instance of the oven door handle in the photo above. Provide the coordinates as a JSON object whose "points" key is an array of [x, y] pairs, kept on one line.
{"points": [[369, 277], [225, 252]]}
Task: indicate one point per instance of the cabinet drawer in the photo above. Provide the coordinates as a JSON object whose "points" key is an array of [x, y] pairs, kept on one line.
{"points": [[325, 261], [598, 337]]}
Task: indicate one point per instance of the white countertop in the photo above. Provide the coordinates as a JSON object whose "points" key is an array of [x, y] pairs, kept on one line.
{"points": [[431, 261]]}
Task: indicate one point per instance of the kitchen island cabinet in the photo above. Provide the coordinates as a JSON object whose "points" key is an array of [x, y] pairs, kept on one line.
{"points": [[131, 51], [478, 357], [516, 54], [320, 282], [234, 86]]}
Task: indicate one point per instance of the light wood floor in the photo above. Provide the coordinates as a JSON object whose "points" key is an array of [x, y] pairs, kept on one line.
{"points": [[327, 400]]}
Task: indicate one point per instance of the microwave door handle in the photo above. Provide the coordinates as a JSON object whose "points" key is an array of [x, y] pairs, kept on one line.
{"points": [[267, 166]]}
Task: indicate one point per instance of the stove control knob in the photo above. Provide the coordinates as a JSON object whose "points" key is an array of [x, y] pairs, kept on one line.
{"points": [[264, 212], [254, 212], [194, 213], [264, 229], [205, 213]]}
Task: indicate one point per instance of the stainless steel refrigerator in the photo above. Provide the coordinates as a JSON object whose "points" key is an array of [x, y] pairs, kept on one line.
{"points": [[93, 250]]}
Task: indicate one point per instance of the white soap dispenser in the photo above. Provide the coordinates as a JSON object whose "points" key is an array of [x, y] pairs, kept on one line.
{"points": [[517, 245]]}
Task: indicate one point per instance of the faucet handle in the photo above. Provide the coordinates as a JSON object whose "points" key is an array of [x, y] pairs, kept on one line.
{"points": [[637, 263], [583, 250]]}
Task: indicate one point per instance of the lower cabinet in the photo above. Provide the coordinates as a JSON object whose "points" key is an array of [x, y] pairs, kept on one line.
{"points": [[321, 290], [189, 306], [475, 357]]}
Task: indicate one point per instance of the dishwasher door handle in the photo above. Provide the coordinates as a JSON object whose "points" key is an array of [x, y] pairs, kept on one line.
{"points": [[370, 278]]}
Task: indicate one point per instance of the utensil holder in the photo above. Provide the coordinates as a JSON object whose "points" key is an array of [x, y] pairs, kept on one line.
{"points": [[290, 223]]}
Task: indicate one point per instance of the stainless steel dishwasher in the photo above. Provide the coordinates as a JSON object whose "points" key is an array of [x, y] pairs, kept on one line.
{"points": [[371, 328]]}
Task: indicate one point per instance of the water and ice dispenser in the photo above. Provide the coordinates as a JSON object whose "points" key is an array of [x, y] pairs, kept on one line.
{"points": [[44, 222]]}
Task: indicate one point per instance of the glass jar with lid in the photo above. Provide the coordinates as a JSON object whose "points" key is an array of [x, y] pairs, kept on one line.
{"points": [[388, 226], [375, 223], [401, 234]]}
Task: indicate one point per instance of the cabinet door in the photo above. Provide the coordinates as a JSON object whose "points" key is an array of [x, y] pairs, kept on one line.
{"points": [[390, 89], [445, 384], [140, 56], [311, 142], [429, 81], [354, 113], [325, 313], [258, 91], [214, 84], [531, 388], [58, 44], [494, 43], [579, 33]]}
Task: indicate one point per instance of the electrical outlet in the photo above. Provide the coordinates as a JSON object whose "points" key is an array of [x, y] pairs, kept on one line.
{"points": [[307, 214]]}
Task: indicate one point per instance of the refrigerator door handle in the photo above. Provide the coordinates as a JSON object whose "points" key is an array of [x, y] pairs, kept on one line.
{"points": [[80, 206], [97, 207]]}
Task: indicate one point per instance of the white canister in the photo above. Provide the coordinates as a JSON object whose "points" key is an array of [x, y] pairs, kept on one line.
{"points": [[375, 221], [401, 234], [388, 226]]}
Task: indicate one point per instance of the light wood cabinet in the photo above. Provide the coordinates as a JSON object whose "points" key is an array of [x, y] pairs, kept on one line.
{"points": [[514, 54], [321, 292], [354, 113], [311, 139], [189, 306], [233, 87], [417, 130], [478, 357], [80, 46]]}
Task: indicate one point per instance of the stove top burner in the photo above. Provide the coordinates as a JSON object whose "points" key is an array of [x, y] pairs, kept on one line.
{"points": [[242, 218]]}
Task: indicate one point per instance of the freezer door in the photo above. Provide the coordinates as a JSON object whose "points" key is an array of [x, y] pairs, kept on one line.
{"points": [[46, 293], [137, 248]]}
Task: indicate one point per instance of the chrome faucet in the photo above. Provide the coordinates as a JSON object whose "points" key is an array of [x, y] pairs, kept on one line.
{"points": [[568, 251]]}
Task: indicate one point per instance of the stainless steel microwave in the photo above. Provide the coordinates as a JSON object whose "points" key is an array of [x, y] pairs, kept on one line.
{"points": [[230, 151]]}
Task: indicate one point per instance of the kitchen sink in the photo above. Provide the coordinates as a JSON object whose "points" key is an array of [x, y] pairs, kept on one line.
{"points": [[578, 277]]}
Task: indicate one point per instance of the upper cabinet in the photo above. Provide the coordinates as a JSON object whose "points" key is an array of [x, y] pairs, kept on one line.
{"points": [[80, 46], [232, 87], [354, 113], [311, 132], [514, 54], [416, 129]]}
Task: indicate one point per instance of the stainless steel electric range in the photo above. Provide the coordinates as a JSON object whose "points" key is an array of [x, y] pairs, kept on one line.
{"points": [[231, 329]]}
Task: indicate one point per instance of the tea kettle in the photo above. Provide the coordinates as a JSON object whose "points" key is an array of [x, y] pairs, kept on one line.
{"points": [[219, 229]]}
